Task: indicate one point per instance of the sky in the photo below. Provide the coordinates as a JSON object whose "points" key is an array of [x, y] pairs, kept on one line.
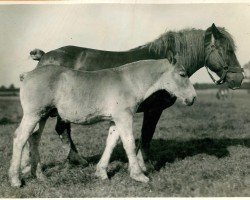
{"points": [[114, 27]]}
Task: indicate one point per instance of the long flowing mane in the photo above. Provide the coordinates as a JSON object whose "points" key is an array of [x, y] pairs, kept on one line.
{"points": [[189, 43]]}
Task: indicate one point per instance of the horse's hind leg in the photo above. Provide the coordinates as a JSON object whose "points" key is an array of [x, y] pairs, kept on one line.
{"points": [[34, 140], [112, 139], [64, 131], [150, 121], [21, 136]]}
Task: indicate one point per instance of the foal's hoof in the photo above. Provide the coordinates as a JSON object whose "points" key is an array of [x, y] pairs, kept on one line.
{"points": [[26, 170], [16, 183], [140, 177], [41, 177], [102, 174]]}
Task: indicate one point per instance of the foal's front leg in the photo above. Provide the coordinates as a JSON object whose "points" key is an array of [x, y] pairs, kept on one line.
{"points": [[112, 139], [124, 126], [34, 140]]}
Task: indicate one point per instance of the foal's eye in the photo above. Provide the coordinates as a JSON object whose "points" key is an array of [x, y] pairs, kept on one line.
{"points": [[182, 73]]}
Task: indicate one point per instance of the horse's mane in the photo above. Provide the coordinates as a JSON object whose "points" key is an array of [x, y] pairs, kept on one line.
{"points": [[228, 38], [189, 43]]}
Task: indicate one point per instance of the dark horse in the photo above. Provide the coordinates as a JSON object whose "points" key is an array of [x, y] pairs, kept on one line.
{"points": [[213, 48]]}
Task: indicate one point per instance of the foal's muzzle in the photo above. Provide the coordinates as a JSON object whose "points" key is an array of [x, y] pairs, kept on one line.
{"points": [[190, 101]]}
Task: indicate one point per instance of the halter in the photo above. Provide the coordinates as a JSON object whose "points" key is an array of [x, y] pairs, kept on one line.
{"points": [[225, 69]]}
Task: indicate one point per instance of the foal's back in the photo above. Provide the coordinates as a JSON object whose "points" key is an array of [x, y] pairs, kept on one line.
{"points": [[96, 92]]}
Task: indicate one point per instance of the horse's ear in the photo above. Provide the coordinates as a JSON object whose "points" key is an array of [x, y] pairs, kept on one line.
{"points": [[215, 31], [212, 40], [211, 34], [170, 56]]}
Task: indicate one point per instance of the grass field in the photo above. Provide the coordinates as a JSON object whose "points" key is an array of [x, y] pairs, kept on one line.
{"points": [[201, 150]]}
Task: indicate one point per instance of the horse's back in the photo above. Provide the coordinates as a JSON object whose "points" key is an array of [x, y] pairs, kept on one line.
{"points": [[65, 56]]}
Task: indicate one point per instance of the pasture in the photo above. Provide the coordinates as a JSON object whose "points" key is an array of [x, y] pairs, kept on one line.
{"points": [[202, 150]]}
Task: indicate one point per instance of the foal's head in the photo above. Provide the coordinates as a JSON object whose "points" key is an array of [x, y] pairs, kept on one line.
{"points": [[176, 82]]}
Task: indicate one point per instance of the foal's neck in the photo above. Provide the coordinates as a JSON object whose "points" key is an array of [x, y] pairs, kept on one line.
{"points": [[144, 78]]}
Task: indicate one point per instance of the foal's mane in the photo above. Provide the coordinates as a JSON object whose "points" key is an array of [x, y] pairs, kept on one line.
{"points": [[189, 43]]}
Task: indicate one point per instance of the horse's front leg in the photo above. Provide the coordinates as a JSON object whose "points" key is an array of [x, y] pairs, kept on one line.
{"points": [[150, 121], [64, 131], [124, 126]]}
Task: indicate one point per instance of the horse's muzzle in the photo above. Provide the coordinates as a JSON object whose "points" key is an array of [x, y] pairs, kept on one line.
{"points": [[234, 80]]}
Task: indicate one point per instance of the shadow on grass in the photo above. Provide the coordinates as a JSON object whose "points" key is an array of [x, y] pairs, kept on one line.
{"points": [[5, 121], [163, 151]]}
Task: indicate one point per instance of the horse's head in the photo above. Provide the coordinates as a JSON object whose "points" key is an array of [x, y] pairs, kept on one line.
{"points": [[178, 84], [220, 57]]}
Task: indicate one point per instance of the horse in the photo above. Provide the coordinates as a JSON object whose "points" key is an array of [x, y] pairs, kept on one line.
{"points": [[213, 48], [85, 97], [223, 94]]}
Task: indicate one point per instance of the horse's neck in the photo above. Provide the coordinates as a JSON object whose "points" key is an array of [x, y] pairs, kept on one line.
{"points": [[192, 56], [189, 45]]}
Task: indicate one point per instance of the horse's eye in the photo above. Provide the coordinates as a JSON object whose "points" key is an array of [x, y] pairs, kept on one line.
{"points": [[182, 73]]}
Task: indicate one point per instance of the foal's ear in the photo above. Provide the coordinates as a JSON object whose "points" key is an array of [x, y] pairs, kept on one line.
{"points": [[176, 57], [170, 56]]}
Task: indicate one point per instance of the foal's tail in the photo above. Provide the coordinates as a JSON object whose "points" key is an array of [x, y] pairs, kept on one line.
{"points": [[37, 54]]}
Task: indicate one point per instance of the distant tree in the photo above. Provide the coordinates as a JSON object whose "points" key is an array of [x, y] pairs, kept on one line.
{"points": [[2, 87], [12, 87]]}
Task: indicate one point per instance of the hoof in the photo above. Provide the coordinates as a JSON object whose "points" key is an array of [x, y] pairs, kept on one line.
{"points": [[101, 173], [39, 173], [16, 183], [26, 170], [76, 159], [143, 167], [140, 177], [41, 177], [150, 166]]}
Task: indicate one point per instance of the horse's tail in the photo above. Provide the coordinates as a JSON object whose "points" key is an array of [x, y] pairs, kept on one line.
{"points": [[37, 54]]}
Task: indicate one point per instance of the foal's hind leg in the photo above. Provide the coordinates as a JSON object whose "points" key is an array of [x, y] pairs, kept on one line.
{"points": [[34, 140], [21, 136], [25, 162], [64, 131]]}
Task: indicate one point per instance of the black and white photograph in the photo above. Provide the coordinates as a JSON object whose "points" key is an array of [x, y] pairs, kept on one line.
{"points": [[124, 99]]}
